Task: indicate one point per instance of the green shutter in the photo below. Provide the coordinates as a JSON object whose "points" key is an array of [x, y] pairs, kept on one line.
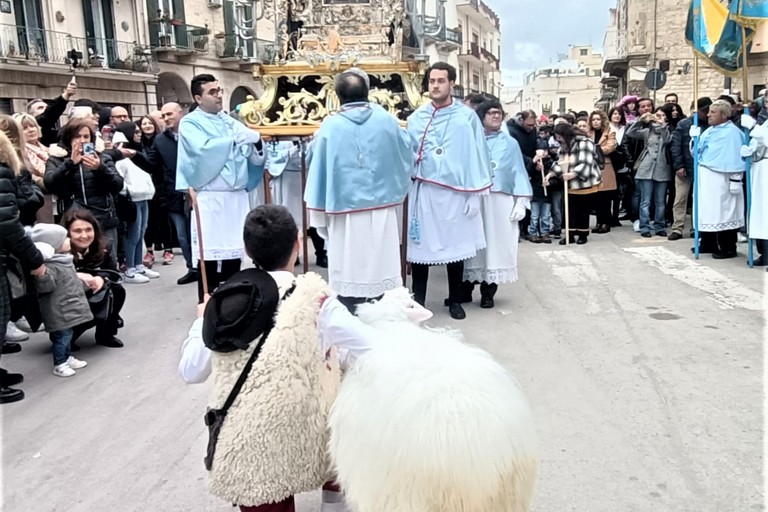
{"points": [[230, 39], [154, 27]]}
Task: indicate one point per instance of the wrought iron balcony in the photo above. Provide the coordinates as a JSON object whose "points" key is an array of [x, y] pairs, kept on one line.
{"points": [[48, 46], [232, 46], [458, 92], [175, 35]]}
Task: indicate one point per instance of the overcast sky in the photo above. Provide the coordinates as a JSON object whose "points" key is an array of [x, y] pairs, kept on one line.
{"points": [[533, 32]]}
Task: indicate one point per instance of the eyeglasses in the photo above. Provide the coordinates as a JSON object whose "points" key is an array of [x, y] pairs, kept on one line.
{"points": [[495, 113]]}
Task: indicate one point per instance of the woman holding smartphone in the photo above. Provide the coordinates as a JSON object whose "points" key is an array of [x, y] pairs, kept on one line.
{"points": [[83, 179]]}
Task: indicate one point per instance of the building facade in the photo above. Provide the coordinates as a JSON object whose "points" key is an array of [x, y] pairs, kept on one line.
{"points": [[479, 60], [644, 35], [571, 83]]}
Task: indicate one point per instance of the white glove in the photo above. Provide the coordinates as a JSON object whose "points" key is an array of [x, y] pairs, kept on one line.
{"points": [[247, 137], [472, 207], [735, 186], [518, 213], [746, 151], [695, 131], [747, 121]]}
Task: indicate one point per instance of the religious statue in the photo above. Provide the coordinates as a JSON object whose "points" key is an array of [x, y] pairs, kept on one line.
{"points": [[334, 40]]}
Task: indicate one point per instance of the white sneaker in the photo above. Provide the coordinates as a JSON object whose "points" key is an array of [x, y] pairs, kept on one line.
{"points": [[636, 226], [133, 277], [23, 324], [144, 271], [75, 364], [14, 334], [63, 370]]}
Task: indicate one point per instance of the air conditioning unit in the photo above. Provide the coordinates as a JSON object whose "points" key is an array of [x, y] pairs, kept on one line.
{"points": [[215, 4]]}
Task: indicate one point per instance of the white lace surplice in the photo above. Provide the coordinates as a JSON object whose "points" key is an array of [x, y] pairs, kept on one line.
{"points": [[222, 215], [364, 252], [497, 263]]}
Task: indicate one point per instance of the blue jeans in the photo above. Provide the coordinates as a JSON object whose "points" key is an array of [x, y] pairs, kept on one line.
{"points": [[539, 219], [61, 341], [181, 224], [652, 191], [557, 210], [134, 237]]}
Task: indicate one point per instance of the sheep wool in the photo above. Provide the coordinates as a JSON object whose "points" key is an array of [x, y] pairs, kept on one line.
{"points": [[427, 423], [273, 443]]}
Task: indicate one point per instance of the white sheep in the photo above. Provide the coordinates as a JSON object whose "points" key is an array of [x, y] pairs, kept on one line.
{"points": [[427, 423]]}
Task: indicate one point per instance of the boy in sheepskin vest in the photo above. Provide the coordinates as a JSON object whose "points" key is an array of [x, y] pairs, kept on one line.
{"points": [[273, 439]]}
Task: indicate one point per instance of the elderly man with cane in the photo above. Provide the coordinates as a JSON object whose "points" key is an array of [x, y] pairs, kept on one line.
{"points": [[220, 161]]}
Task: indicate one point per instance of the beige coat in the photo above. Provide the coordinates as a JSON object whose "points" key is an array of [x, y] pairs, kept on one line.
{"points": [[608, 144], [273, 443]]}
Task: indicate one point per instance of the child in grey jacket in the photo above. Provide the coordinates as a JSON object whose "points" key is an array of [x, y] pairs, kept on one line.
{"points": [[61, 295]]}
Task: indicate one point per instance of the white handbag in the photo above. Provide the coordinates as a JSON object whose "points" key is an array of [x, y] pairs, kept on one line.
{"points": [[138, 184]]}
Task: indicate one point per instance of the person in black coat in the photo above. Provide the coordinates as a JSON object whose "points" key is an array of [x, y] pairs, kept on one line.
{"points": [[522, 128], [84, 181], [48, 114], [682, 165], [163, 153], [16, 251]]}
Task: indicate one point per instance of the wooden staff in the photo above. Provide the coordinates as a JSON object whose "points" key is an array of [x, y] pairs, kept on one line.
{"points": [[404, 243], [267, 189], [304, 219], [566, 187], [201, 259]]}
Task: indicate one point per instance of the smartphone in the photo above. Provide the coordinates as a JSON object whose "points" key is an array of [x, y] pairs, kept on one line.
{"points": [[107, 132], [89, 149]]}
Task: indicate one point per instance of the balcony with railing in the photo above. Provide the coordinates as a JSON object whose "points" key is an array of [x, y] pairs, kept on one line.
{"points": [[614, 50], [34, 45], [176, 36], [478, 6], [490, 58], [471, 50], [232, 46]]}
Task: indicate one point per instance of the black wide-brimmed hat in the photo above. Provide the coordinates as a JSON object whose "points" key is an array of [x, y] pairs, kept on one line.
{"points": [[240, 310]]}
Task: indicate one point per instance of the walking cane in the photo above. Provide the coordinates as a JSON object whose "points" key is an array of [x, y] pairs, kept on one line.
{"points": [[203, 274], [304, 219]]}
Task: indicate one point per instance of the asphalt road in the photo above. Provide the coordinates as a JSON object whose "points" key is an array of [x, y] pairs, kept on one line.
{"points": [[644, 369]]}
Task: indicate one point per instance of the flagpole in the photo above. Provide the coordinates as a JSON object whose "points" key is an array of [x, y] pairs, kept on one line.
{"points": [[696, 157]]}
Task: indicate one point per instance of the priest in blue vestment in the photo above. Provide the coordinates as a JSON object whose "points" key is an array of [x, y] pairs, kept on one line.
{"points": [[502, 210], [360, 167], [219, 161], [453, 171], [720, 183]]}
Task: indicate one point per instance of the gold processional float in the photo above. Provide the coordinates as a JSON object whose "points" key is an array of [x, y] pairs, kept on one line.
{"points": [[317, 39]]}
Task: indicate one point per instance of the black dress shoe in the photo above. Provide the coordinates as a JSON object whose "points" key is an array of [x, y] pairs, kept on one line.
{"points": [[456, 311], [11, 348], [582, 240], [110, 342], [563, 242], [10, 379], [724, 255], [189, 277], [10, 395], [759, 262], [674, 236], [647, 234], [486, 303], [661, 233], [322, 261]]}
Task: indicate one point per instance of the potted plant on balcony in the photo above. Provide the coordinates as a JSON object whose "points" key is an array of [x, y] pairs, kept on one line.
{"points": [[176, 22]]}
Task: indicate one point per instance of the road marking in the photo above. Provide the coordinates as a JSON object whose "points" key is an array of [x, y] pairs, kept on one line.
{"points": [[724, 290], [576, 271]]}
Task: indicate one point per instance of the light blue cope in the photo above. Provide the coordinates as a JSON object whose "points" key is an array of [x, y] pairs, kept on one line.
{"points": [[450, 146], [359, 160], [207, 150], [507, 166], [719, 148]]}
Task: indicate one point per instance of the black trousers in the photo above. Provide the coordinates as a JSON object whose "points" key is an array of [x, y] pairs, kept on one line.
{"points": [[107, 329], [579, 208], [420, 276], [719, 241], [762, 247], [216, 273], [602, 204], [317, 241], [159, 234]]}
